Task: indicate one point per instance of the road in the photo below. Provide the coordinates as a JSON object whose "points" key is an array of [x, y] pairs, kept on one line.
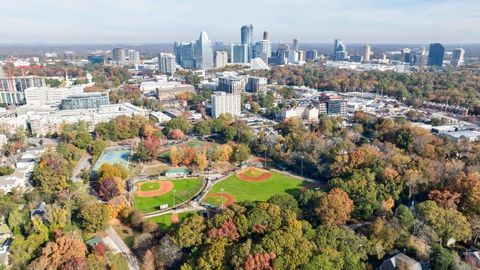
{"points": [[81, 164], [126, 252]]}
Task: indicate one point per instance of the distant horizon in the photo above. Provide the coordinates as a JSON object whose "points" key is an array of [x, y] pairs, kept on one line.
{"points": [[149, 21]]}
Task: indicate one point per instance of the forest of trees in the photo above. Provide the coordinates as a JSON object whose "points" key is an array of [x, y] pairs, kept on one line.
{"points": [[459, 87]]}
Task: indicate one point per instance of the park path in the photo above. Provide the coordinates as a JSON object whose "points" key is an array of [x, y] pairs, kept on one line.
{"points": [[123, 248], [81, 164], [193, 207]]}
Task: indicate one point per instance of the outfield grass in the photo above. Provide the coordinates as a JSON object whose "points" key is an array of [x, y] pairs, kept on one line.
{"points": [[165, 221], [256, 191], [184, 189]]}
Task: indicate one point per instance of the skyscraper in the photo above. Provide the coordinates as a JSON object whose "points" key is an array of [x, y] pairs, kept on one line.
{"points": [[221, 59], [118, 55], [435, 54], [263, 49], [240, 53], [295, 44], [204, 52], [458, 57], [246, 33], [366, 53], [340, 51], [185, 54], [166, 63]]}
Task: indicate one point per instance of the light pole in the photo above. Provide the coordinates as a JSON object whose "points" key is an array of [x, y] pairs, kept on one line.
{"points": [[221, 191], [174, 198], [301, 174]]}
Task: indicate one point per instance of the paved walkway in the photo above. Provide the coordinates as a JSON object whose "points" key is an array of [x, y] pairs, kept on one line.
{"points": [[81, 164], [123, 248]]}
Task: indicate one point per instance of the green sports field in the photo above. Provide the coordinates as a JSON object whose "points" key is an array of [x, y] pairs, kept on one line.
{"points": [[255, 191], [165, 221], [184, 189]]}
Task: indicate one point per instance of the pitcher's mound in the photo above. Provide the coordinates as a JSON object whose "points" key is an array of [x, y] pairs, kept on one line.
{"points": [[153, 188]]}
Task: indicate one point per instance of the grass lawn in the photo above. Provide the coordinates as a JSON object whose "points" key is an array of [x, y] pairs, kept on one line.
{"points": [[184, 189], [117, 262], [215, 200], [195, 144], [256, 191], [165, 221], [155, 170]]}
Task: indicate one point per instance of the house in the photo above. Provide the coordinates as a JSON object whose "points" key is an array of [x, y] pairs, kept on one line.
{"points": [[179, 172], [472, 258], [93, 242], [400, 261]]}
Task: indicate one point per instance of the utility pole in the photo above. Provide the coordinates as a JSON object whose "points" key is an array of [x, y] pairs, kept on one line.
{"points": [[301, 174]]}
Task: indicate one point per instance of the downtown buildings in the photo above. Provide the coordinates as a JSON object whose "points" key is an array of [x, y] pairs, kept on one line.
{"points": [[223, 103], [197, 54], [436, 54]]}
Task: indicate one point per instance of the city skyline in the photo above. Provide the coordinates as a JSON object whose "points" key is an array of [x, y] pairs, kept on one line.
{"points": [[371, 21]]}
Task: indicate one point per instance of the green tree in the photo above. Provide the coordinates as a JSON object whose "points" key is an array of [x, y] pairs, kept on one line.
{"points": [[404, 216], [178, 123], [241, 152], [94, 217], [190, 232], [442, 259]]}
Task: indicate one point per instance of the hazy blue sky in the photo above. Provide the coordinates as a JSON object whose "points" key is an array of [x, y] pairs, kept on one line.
{"points": [[158, 21]]}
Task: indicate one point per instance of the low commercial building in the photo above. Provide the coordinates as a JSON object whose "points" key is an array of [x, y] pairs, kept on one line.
{"points": [[85, 101], [172, 89], [160, 117], [40, 96]]}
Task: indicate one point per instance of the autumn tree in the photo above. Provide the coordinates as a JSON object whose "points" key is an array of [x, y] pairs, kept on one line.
{"points": [[111, 171], [107, 188], [190, 232], [201, 161], [188, 156], [241, 152], [175, 156], [57, 253], [334, 208], [152, 146]]}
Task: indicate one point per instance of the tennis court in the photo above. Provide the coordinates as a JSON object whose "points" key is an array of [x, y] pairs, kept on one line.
{"points": [[120, 156]]}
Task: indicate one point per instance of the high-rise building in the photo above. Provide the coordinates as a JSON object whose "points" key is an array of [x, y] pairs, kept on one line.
{"points": [[458, 57], [223, 103], [256, 84], [166, 63], [185, 54], [2, 73], [295, 44], [69, 56], [96, 58], [332, 105], [311, 55], [246, 33], [263, 49], [435, 54], [133, 57], [221, 59], [231, 85], [340, 51], [367, 52], [119, 56], [204, 52], [239, 53]]}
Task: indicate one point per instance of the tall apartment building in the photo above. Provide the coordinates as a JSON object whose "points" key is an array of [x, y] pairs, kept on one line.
{"points": [[240, 53], [167, 63], [133, 57], [231, 85], [367, 52], [311, 55], [436, 54], [256, 84], [458, 57], [295, 44], [119, 56], [332, 105], [185, 54], [12, 89], [223, 103], [340, 51], [221, 59], [263, 48]]}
